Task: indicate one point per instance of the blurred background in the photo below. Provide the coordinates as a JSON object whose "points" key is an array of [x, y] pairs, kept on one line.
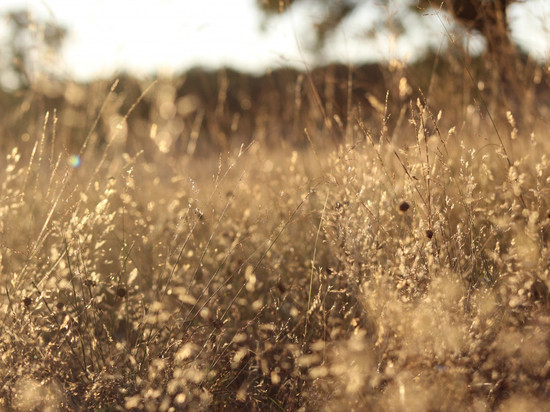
{"points": [[229, 72], [99, 38]]}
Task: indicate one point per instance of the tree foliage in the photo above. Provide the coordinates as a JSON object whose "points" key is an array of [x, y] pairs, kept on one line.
{"points": [[33, 46], [486, 17]]}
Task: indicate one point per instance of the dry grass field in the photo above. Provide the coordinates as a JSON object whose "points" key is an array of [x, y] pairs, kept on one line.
{"points": [[396, 260]]}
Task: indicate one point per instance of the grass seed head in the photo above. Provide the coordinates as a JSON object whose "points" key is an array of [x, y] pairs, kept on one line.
{"points": [[404, 206]]}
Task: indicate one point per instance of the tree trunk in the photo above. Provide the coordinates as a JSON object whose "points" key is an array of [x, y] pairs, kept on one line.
{"points": [[489, 18]]}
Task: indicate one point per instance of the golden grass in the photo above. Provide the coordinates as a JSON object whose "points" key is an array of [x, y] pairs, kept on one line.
{"points": [[390, 273]]}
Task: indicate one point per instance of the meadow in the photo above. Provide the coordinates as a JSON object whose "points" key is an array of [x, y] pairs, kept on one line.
{"points": [[391, 256]]}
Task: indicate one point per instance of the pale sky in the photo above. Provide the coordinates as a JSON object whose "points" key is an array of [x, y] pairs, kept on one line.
{"points": [[145, 36]]}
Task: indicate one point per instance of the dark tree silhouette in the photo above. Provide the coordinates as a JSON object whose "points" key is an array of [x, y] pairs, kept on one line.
{"points": [[31, 44], [488, 17]]}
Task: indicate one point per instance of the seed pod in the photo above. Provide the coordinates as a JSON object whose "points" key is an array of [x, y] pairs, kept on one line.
{"points": [[404, 206], [217, 323]]}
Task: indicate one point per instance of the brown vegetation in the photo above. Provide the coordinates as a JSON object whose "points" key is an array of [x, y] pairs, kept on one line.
{"points": [[298, 241]]}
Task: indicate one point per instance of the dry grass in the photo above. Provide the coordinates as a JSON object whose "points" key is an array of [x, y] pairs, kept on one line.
{"points": [[400, 271]]}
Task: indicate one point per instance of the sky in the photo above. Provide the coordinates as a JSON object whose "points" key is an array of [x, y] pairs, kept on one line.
{"points": [[148, 36]]}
